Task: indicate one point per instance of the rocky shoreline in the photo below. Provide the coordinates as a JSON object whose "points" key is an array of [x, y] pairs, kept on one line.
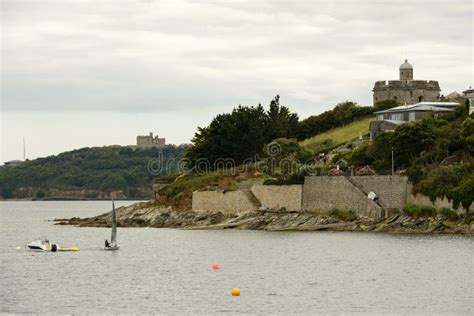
{"points": [[147, 214]]}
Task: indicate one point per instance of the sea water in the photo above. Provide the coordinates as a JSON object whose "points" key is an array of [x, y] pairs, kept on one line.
{"points": [[169, 271]]}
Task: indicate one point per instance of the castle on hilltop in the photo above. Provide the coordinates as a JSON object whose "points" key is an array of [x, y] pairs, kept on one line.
{"points": [[148, 141], [406, 90]]}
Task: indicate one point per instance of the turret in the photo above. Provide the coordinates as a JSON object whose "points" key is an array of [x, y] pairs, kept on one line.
{"points": [[406, 71]]}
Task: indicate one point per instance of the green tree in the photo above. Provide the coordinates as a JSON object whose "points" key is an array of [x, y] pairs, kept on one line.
{"points": [[238, 135], [386, 104], [467, 134], [439, 182], [359, 156], [281, 122], [411, 141], [463, 194], [242, 134], [381, 147]]}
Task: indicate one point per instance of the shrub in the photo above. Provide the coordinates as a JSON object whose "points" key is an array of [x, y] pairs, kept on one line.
{"points": [[40, 194], [178, 196], [415, 174], [448, 213], [411, 209], [427, 211], [344, 215], [416, 211], [293, 179], [272, 181], [381, 166]]}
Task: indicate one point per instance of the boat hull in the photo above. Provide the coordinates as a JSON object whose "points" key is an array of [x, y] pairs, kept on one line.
{"points": [[112, 247], [39, 245]]}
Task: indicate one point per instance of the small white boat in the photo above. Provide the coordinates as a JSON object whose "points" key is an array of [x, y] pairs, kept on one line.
{"points": [[113, 240], [42, 244]]}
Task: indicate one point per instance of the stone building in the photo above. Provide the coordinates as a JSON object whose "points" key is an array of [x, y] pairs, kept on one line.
{"points": [[148, 141], [406, 90], [389, 120], [469, 94]]}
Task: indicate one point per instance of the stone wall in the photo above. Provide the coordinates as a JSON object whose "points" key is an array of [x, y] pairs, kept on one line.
{"points": [[277, 196], [327, 193], [406, 91], [392, 191], [319, 193], [229, 203]]}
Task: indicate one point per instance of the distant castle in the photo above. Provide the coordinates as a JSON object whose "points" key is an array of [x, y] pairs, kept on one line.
{"points": [[148, 141], [406, 90]]}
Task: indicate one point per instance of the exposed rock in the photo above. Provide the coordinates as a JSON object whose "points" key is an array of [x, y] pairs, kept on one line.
{"points": [[393, 219], [151, 215]]}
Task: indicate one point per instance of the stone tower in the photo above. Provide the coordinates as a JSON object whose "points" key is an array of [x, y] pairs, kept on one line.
{"points": [[406, 90], [406, 71], [150, 141]]}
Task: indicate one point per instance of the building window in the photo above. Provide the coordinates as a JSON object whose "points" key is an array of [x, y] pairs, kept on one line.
{"points": [[397, 117], [420, 98]]}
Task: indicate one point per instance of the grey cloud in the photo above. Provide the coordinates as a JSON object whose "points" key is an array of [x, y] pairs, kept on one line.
{"points": [[171, 55]]}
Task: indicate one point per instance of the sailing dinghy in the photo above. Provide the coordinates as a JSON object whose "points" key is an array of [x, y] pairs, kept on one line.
{"points": [[113, 240]]}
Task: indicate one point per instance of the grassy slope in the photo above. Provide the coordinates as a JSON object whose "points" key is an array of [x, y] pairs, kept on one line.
{"points": [[337, 136]]}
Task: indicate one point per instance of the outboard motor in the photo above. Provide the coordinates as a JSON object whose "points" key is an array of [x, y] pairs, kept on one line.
{"points": [[54, 247]]}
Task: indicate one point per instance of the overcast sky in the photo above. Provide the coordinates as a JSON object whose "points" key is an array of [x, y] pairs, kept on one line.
{"points": [[93, 73]]}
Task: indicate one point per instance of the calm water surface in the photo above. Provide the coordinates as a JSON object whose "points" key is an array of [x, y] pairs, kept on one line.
{"points": [[168, 271]]}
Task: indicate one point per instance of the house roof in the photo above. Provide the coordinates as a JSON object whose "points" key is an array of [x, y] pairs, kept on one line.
{"points": [[470, 90], [422, 106]]}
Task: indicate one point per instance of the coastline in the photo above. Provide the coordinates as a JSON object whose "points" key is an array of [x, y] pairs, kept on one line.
{"points": [[146, 214]]}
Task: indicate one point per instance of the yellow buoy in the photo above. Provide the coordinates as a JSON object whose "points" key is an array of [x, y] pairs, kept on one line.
{"points": [[69, 249], [235, 292]]}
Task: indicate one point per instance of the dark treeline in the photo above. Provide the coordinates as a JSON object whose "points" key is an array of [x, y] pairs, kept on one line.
{"points": [[103, 169], [341, 115]]}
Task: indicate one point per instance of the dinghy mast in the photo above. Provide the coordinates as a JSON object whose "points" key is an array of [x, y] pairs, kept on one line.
{"points": [[113, 239]]}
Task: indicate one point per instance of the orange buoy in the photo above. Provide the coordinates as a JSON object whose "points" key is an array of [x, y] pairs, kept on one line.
{"points": [[235, 292], [33, 254]]}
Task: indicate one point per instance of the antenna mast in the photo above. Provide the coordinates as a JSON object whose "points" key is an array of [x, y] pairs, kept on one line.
{"points": [[24, 149]]}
